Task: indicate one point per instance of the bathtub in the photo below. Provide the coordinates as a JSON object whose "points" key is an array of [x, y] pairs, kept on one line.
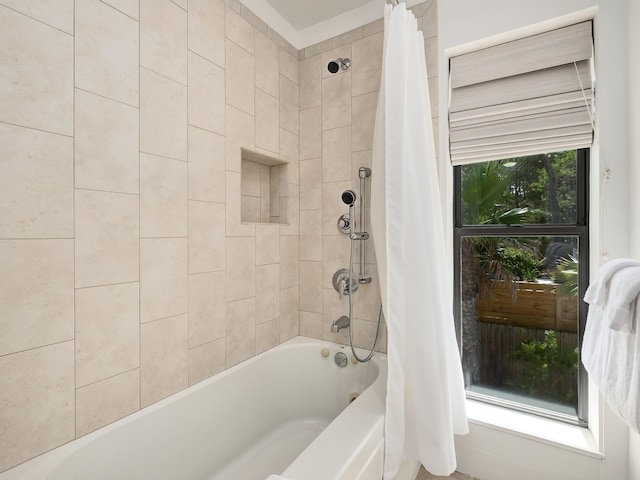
{"points": [[289, 411]]}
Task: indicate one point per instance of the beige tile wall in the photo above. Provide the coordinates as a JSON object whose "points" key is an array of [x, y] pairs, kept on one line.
{"points": [[126, 274], [337, 114]]}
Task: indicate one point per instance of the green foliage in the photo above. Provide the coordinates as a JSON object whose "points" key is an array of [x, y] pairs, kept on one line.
{"points": [[521, 262], [544, 364], [566, 274]]}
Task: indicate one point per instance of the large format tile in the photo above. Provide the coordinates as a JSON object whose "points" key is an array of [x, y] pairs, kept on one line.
{"points": [[336, 154], [289, 66], [57, 13], [267, 292], [267, 335], [36, 293], [289, 105], [164, 358], [206, 237], [106, 144], [363, 114], [207, 164], [163, 197], [36, 184], [36, 83], [336, 101], [267, 122], [266, 64], [234, 226], [206, 307], [290, 152], [239, 78], [163, 39], [289, 313], [289, 261], [310, 82], [311, 235], [207, 29], [104, 402], [267, 244], [107, 238], [310, 184], [206, 360], [163, 116], [239, 31], [206, 94], [163, 278], [311, 286], [241, 331], [106, 52], [36, 402], [311, 133], [368, 68], [106, 331], [240, 134], [241, 268], [311, 324]]}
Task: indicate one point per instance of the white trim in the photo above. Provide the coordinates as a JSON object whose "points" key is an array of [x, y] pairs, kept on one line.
{"points": [[321, 31]]}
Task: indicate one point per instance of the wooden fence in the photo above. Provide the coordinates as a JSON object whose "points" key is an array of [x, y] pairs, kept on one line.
{"points": [[499, 366], [530, 305]]}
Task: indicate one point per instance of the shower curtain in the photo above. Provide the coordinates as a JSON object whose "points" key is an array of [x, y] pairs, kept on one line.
{"points": [[425, 394]]}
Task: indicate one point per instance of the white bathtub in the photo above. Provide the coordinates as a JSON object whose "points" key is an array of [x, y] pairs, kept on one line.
{"points": [[285, 411]]}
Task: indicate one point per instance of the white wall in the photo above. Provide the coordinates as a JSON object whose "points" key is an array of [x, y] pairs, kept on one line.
{"points": [[634, 178], [466, 25]]}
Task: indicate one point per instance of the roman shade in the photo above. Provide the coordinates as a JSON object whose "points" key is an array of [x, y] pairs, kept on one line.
{"points": [[528, 96]]}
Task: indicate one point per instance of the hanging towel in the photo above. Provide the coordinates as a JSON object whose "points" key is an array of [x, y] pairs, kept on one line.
{"points": [[623, 292], [598, 291], [425, 402], [610, 356]]}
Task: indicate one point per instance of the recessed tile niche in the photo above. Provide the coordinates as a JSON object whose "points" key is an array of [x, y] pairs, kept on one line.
{"points": [[264, 185]]}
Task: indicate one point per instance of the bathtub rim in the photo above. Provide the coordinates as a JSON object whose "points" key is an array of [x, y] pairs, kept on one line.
{"points": [[42, 465]]}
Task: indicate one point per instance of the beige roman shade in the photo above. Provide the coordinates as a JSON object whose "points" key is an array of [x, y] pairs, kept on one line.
{"points": [[528, 96]]}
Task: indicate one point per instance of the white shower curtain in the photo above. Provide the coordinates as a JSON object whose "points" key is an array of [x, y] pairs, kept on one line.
{"points": [[425, 395]]}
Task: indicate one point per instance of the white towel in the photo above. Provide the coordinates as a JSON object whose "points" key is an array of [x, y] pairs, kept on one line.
{"points": [[598, 291], [623, 292], [611, 357], [275, 477]]}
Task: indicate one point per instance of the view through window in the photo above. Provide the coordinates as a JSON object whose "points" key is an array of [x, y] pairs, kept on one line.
{"points": [[521, 266]]}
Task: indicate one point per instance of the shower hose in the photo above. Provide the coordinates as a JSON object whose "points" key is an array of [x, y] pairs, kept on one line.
{"points": [[375, 341]]}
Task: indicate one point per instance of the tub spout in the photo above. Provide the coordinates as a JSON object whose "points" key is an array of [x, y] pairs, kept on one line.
{"points": [[339, 324]]}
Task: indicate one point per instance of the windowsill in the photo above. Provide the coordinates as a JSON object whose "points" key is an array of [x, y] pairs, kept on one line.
{"points": [[543, 430]]}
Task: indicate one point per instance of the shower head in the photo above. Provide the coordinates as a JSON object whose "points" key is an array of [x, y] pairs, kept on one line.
{"points": [[339, 63], [349, 197]]}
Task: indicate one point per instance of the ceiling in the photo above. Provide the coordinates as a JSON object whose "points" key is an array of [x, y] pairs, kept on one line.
{"points": [[306, 22], [303, 13]]}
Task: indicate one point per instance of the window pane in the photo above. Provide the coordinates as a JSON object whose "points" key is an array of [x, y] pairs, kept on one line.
{"points": [[519, 311], [539, 189]]}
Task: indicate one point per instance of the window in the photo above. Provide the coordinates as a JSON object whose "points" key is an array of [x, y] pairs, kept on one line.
{"points": [[521, 266]]}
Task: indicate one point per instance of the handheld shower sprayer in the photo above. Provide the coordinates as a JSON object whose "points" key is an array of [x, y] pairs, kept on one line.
{"points": [[349, 197]]}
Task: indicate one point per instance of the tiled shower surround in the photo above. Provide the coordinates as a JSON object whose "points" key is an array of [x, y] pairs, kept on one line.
{"points": [[125, 272]]}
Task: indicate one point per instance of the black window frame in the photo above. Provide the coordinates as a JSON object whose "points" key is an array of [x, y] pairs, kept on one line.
{"points": [[580, 230]]}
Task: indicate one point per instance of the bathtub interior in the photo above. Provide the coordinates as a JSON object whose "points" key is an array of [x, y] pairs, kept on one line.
{"points": [[268, 410]]}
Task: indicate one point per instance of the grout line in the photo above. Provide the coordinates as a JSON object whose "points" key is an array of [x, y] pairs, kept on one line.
{"points": [[60, 342], [75, 373], [109, 378], [34, 128], [84, 189], [107, 98], [37, 20], [120, 11], [163, 75], [163, 156], [139, 211]]}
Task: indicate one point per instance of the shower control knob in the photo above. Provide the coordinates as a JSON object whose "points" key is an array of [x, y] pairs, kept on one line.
{"points": [[344, 224]]}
